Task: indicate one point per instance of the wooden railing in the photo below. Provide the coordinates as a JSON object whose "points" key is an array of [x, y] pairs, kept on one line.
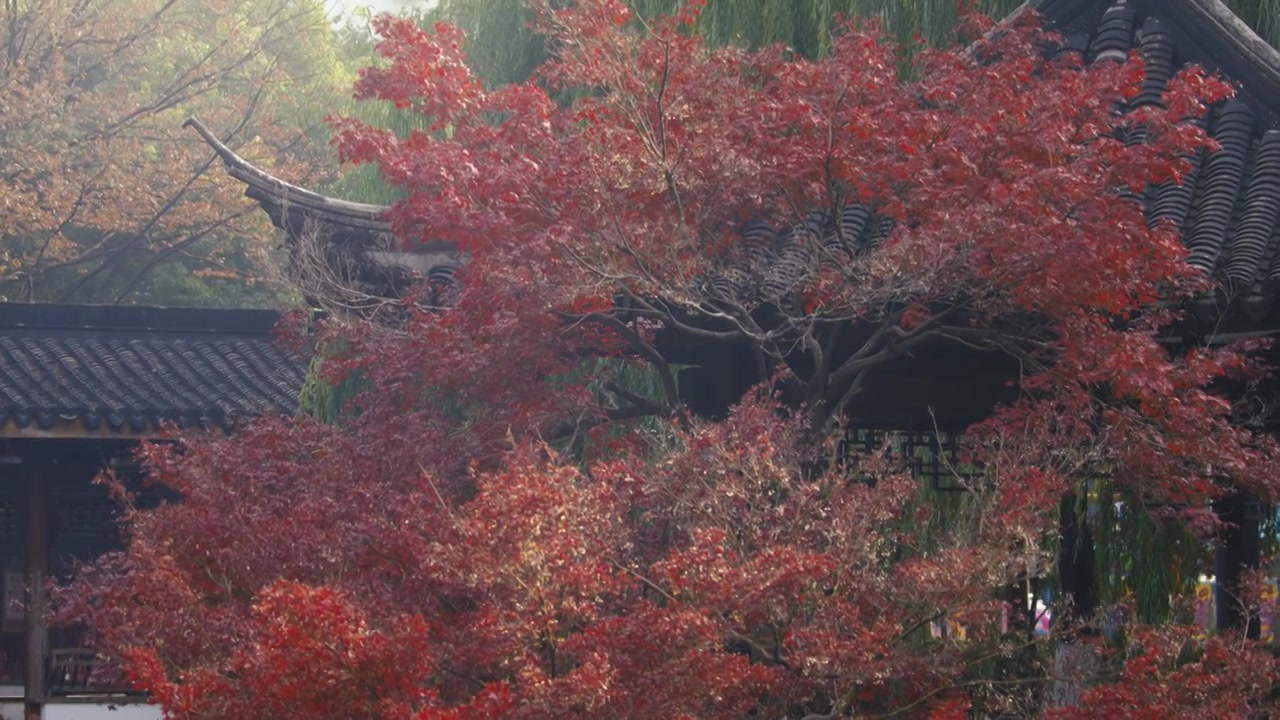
{"points": [[81, 672]]}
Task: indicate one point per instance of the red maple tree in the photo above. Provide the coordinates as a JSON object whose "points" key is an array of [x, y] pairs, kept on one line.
{"points": [[491, 531]]}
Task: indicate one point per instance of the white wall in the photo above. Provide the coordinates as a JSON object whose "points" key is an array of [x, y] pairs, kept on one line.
{"points": [[85, 711]]}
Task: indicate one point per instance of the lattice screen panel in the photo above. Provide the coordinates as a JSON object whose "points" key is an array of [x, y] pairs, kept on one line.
{"points": [[929, 456], [84, 527]]}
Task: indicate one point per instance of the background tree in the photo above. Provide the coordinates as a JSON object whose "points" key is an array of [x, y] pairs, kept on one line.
{"points": [[475, 537], [106, 198]]}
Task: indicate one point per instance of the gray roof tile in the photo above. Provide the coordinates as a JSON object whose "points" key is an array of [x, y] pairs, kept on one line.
{"points": [[135, 369]]}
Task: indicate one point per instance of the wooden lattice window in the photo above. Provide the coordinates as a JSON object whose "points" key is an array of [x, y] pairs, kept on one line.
{"points": [[930, 456]]}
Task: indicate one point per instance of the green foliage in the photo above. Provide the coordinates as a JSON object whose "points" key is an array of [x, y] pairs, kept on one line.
{"points": [[1139, 558], [356, 40], [501, 45], [323, 398], [1261, 15], [806, 25], [503, 48], [637, 378], [219, 270]]}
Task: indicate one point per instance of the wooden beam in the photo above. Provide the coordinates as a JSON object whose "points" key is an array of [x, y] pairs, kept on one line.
{"points": [[75, 430], [72, 430]]}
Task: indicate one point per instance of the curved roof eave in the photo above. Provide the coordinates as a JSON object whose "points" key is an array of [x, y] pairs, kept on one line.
{"points": [[284, 201]]}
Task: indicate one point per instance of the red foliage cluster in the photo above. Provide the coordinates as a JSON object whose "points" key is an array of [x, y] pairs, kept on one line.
{"points": [[439, 553], [1174, 673], [312, 572]]}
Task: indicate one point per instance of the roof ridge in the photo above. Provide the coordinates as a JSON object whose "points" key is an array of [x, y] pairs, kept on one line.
{"points": [[139, 318]]}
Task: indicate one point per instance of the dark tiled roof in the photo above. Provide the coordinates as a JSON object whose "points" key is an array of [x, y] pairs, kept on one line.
{"points": [[130, 370], [1229, 205]]}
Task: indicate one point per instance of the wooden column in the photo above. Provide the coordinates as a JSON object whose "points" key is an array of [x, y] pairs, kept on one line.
{"points": [[1239, 548], [1076, 559], [37, 568]]}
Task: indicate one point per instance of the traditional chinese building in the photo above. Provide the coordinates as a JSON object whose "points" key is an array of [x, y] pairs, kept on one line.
{"points": [[80, 386]]}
